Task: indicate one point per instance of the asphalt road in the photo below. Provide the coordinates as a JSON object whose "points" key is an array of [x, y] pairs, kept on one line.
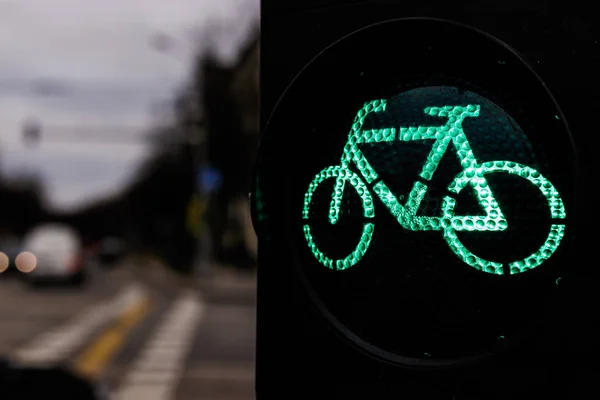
{"points": [[142, 332]]}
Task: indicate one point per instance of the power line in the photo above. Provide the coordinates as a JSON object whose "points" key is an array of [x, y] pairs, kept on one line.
{"points": [[78, 133], [109, 134]]}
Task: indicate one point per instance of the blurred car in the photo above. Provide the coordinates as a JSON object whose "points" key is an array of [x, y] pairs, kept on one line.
{"points": [[57, 254], [11, 247], [110, 251]]}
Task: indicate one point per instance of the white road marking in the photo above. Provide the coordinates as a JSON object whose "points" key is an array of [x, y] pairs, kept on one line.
{"points": [[154, 375], [59, 343]]}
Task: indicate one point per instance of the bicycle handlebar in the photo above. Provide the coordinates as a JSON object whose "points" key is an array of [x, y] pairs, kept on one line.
{"points": [[454, 112]]}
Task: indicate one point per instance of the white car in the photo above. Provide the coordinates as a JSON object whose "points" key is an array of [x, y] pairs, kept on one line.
{"points": [[52, 253]]}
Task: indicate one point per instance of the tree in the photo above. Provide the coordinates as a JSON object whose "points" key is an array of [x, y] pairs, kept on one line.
{"points": [[22, 198]]}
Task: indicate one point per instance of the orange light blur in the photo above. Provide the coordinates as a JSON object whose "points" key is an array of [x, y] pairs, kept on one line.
{"points": [[26, 262], [4, 262]]}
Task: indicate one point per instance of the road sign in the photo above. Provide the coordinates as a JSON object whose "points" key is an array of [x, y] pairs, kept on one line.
{"points": [[209, 179], [196, 210], [415, 208]]}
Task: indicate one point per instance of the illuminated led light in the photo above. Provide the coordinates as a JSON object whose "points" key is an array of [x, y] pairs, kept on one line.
{"points": [[473, 175]]}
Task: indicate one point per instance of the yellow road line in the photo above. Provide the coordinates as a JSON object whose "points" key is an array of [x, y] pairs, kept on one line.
{"points": [[96, 357]]}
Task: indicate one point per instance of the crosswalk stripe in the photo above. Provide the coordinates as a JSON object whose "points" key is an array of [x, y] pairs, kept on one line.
{"points": [[154, 375], [96, 358], [57, 344]]}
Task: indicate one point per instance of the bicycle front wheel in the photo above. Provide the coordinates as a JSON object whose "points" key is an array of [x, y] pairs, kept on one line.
{"points": [[346, 176], [555, 203]]}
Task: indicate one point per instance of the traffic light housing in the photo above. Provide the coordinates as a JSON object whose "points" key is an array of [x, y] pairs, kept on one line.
{"points": [[418, 200]]}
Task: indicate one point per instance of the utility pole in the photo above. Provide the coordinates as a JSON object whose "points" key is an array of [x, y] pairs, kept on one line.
{"points": [[196, 135]]}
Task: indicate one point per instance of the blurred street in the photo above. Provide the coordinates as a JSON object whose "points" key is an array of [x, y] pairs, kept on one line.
{"points": [[127, 251], [140, 330]]}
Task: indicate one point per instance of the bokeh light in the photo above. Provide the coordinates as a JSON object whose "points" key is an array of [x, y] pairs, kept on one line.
{"points": [[26, 262], [4, 262]]}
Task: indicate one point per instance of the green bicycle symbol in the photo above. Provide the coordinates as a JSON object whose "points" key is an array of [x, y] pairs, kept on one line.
{"points": [[473, 173]]}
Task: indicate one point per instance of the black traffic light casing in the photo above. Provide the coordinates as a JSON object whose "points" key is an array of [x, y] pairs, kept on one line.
{"points": [[300, 355]]}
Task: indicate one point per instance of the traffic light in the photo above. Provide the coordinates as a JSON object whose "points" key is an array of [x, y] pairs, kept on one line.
{"points": [[418, 200]]}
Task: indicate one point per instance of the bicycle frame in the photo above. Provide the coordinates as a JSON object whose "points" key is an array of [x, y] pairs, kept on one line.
{"points": [[451, 132], [473, 174]]}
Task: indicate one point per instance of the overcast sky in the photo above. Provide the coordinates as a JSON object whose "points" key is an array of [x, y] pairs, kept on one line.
{"points": [[98, 56]]}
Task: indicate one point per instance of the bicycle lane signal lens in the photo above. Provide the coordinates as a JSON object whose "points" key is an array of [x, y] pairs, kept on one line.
{"points": [[446, 136]]}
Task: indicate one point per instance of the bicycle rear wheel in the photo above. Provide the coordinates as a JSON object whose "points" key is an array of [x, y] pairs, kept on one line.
{"points": [[555, 203], [359, 251]]}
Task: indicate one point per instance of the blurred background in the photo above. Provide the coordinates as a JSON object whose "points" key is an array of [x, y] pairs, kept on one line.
{"points": [[128, 131]]}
